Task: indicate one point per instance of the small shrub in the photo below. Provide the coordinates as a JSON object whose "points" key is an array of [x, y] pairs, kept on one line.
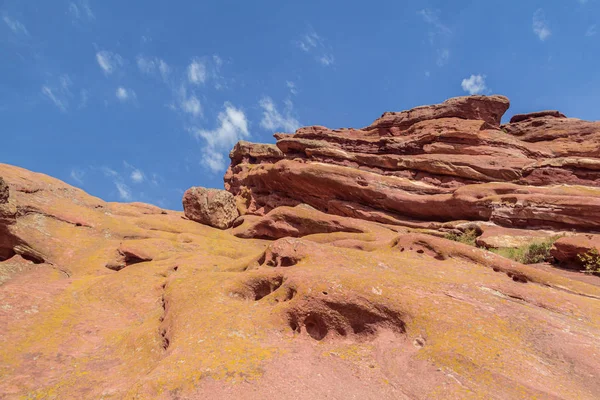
{"points": [[532, 253], [538, 252], [468, 237], [591, 261]]}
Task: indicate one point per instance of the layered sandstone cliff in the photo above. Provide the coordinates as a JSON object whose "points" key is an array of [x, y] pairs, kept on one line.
{"points": [[435, 167]]}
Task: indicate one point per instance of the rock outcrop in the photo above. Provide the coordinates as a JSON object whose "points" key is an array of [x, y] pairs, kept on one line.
{"points": [[442, 163], [211, 207], [567, 250]]}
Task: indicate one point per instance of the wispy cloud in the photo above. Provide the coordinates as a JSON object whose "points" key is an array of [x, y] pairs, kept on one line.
{"points": [[137, 176], [152, 66], [196, 72], [591, 31], [81, 9], [59, 94], [474, 84], [540, 25], [439, 35], [443, 55], [54, 98], [109, 172], [16, 26], [273, 119], [123, 190], [108, 61], [77, 175], [292, 86], [313, 43], [432, 18], [310, 41], [84, 96], [124, 94], [232, 126], [326, 59], [188, 103]]}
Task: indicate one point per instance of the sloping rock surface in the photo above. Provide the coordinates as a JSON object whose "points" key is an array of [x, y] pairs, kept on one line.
{"points": [[129, 301]]}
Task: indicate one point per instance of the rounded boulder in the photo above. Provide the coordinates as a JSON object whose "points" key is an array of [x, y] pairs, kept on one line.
{"points": [[211, 207]]}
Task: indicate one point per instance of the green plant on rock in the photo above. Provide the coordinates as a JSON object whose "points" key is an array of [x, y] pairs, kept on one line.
{"points": [[591, 261], [467, 237], [532, 253]]}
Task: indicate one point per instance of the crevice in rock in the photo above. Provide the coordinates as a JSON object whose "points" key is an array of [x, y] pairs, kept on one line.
{"points": [[24, 211], [164, 326]]}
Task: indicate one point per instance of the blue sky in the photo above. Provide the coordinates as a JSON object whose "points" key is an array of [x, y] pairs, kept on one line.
{"points": [[140, 100]]}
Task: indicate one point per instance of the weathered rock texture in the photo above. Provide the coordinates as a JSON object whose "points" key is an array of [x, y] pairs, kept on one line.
{"points": [[128, 301], [211, 207], [431, 166]]}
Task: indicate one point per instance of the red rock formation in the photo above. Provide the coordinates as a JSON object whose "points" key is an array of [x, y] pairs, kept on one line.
{"points": [[447, 162], [112, 300]]}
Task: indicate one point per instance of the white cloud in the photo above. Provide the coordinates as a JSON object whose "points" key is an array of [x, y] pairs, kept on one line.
{"points": [[292, 86], [59, 94], [310, 41], [108, 172], [81, 9], [189, 104], [108, 61], [540, 25], [196, 72], [273, 119], [474, 85], [137, 176], [427, 74], [15, 26], [591, 31], [124, 191], [124, 94], [213, 160], [326, 59], [54, 98], [77, 175], [443, 55], [232, 127], [151, 66], [315, 44]]}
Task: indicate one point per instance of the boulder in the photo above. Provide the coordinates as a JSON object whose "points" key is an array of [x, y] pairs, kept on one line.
{"points": [[213, 207]]}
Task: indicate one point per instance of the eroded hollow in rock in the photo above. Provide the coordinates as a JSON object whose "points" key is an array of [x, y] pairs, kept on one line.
{"points": [[33, 258], [260, 287], [321, 318], [126, 258], [6, 254]]}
